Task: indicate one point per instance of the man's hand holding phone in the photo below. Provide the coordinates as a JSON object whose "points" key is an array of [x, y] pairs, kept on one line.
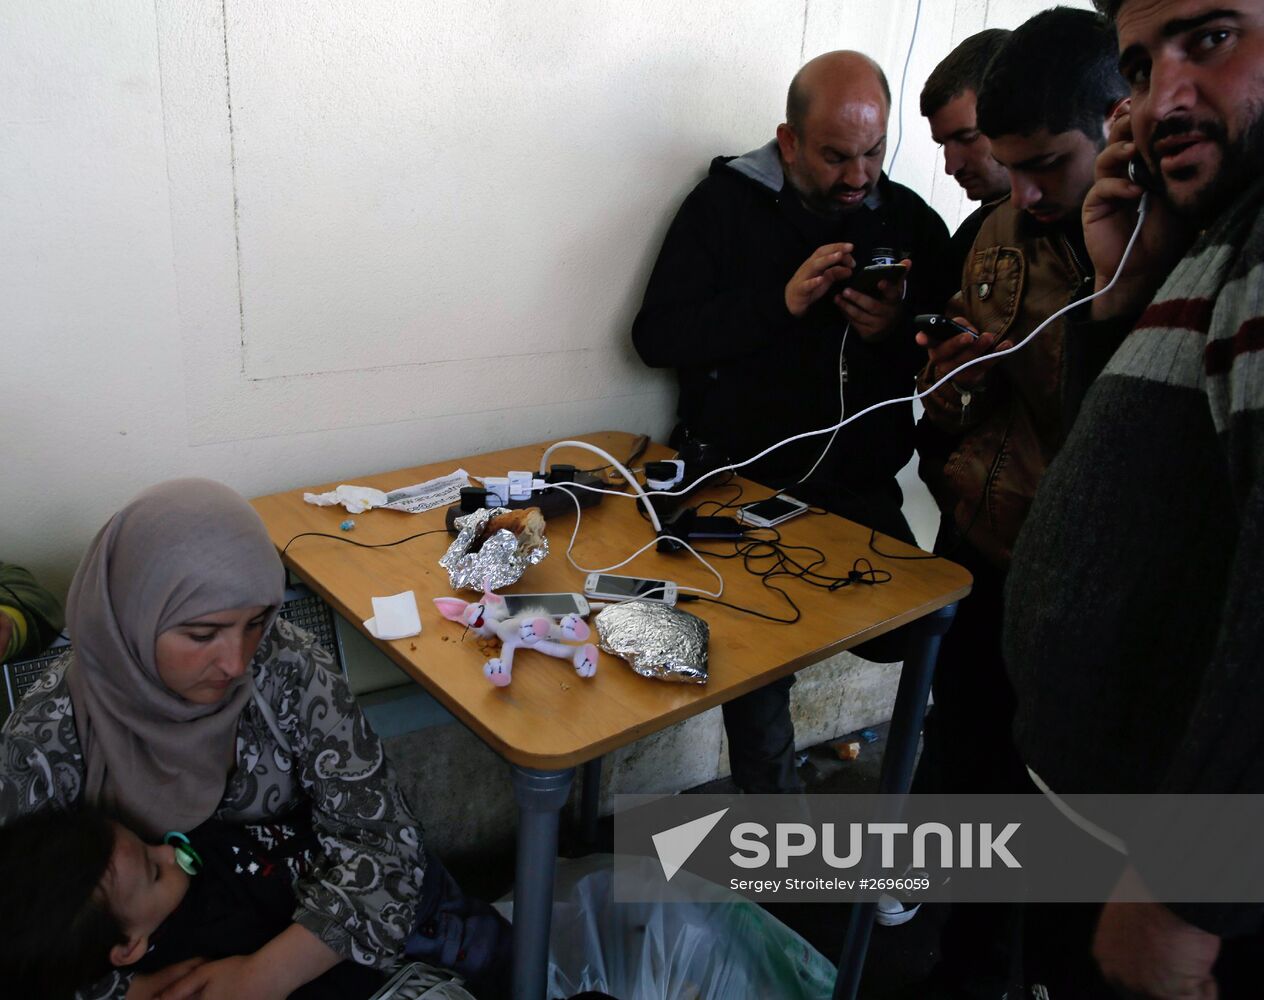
{"points": [[951, 353], [1110, 215], [816, 275], [874, 316]]}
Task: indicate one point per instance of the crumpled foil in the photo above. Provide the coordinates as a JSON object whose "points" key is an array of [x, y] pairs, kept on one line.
{"points": [[658, 641], [497, 564]]}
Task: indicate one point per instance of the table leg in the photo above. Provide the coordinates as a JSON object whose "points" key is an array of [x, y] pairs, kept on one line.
{"points": [[589, 803], [897, 772], [540, 796]]}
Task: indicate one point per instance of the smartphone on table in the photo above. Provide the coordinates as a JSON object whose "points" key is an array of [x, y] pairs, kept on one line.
{"points": [[774, 510], [553, 605], [624, 588]]}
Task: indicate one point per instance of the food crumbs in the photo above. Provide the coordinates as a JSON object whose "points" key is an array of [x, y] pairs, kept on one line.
{"points": [[846, 749]]}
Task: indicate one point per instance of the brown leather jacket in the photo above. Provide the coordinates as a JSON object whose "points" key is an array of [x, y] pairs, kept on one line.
{"points": [[983, 455]]}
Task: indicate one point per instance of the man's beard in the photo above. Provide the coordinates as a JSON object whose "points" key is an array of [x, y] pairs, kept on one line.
{"points": [[1241, 163]]}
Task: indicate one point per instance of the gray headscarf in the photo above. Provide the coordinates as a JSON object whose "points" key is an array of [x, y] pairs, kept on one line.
{"points": [[181, 549]]}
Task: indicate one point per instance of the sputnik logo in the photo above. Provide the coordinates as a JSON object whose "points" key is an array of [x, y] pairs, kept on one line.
{"points": [[676, 845]]}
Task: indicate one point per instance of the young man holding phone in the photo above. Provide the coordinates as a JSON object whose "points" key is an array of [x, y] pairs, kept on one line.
{"points": [[1046, 103]]}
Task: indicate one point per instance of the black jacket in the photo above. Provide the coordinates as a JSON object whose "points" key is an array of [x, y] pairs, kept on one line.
{"points": [[750, 373]]}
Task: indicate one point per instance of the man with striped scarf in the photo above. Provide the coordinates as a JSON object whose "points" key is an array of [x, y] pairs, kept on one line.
{"points": [[1134, 625]]}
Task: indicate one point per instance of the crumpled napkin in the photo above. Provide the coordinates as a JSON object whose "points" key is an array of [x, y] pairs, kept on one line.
{"points": [[357, 499], [394, 617]]}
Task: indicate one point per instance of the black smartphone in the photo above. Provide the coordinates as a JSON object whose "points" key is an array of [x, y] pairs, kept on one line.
{"points": [[866, 279], [939, 328], [1140, 174]]}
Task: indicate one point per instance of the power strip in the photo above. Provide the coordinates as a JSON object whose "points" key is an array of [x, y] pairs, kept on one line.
{"points": [[554, 501]]}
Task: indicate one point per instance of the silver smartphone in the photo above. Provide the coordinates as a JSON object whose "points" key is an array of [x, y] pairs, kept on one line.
{"points": [[774, 510], [553, 605], [625, 588]]}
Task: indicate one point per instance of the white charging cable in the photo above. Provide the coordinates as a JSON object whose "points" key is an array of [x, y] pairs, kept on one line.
{"points": [[568, 489], [1142, 209], [622, 469], [842, 402]]}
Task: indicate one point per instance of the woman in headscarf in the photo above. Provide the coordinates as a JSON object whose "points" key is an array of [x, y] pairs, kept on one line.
{"points": [[186, 697]]}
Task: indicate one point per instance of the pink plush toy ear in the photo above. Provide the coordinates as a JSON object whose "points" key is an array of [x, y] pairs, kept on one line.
{"points": [[451, 608]]}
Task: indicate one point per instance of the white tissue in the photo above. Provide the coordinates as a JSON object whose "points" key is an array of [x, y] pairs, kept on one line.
{"points": [[357, 499], [394, 617]]}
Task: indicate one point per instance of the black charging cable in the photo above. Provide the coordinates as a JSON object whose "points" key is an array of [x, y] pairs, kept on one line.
{"points": [[359, 545]]}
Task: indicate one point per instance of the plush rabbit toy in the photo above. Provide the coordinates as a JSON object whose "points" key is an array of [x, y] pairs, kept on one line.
{"points": [[488, 616]]}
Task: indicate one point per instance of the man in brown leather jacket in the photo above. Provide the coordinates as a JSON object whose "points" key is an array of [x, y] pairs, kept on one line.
{"points": [[1046, 104]]}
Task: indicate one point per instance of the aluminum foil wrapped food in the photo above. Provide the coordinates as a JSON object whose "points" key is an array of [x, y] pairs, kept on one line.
{"points": [[494, 547], [658, 641]]}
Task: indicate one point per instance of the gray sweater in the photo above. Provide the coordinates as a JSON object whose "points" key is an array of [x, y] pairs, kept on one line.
{"points": [[1133, 627]]}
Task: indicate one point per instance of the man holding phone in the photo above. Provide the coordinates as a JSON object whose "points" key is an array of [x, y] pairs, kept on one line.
{"points": [[988, 435], [1133, 629], [762, 272], [752, 301]]}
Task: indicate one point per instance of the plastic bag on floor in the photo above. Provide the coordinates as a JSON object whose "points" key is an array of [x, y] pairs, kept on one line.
{"points": [[675, 947]]}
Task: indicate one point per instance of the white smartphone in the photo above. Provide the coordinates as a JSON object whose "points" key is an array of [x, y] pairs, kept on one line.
{"points": [[774, 510], [553, 605], [623, 588]]}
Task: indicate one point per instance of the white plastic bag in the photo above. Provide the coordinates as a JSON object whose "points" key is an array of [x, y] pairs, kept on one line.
{"points": [[676, 947]]}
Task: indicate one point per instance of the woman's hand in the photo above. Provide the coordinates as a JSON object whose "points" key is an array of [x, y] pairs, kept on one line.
{"points": [[292, 958], [235, 978], [149, 986]]}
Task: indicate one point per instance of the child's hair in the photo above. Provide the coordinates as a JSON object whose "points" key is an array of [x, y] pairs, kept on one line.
{"points": [[56, 934]]}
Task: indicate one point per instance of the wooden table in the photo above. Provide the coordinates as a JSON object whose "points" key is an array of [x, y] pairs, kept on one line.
{"points": [[549, 721]]}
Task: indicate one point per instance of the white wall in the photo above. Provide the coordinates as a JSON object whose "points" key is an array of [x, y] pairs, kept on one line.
{"points": [[287, 242]]}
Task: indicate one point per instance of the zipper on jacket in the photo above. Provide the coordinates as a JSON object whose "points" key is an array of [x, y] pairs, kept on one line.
{"points": [[1084, 271]]}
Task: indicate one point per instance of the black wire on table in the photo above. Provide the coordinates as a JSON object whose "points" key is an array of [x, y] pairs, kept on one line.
{"points": [[360, 545], [785, 562]]}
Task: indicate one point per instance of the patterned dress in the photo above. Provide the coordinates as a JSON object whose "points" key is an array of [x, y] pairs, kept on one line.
{"points": [[301, 741]]}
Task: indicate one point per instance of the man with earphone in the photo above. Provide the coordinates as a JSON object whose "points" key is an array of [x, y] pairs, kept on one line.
{"points": [[1133, 631]]}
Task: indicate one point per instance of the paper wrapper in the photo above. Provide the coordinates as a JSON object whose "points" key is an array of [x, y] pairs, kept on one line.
{"points": [[658, 641], [499, 563]]}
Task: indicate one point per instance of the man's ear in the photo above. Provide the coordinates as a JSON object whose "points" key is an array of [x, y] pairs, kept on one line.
{"points": [[131, 952], [788, 143]]}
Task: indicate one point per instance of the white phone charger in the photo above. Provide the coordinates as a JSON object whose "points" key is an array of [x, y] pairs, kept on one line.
{"points": [[520, 485], [497, 490]]}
